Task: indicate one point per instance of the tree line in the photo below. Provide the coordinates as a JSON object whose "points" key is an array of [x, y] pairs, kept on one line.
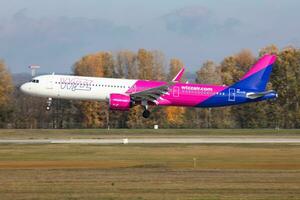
{"points": [[21, 111]]}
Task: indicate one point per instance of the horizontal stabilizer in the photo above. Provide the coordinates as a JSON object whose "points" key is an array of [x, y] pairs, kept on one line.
{"points": [[255, 95]]}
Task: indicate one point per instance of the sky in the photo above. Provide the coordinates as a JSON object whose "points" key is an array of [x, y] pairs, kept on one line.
{"points": [[56, 33]]}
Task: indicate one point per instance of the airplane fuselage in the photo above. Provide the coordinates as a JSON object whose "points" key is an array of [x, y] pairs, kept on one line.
{"points": [[122, 94], [100, 89]]}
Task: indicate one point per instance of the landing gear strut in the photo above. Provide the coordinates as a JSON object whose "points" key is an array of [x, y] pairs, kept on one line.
{"points": [[48, 104]]}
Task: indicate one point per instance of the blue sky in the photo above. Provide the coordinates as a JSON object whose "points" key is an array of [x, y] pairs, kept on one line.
{"points": [[56, 33]]}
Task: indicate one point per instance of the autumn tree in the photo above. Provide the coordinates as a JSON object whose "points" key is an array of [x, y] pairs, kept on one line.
{"points": [[97, 65], [158, 65], [208, 74], [246, 115], [175, 115], [125, 64], [283, 112], [175, 66], [232, 69], [6, 85], [270, 49], [25, 105], [286, 81], [145, 64], [6, 89], [150, 66]]}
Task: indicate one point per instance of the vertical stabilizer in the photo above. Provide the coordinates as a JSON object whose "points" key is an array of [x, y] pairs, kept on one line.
{"points": [[258, 76]]}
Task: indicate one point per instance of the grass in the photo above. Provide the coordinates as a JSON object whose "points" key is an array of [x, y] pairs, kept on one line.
{"points": [[233, 171], [100, 133]]}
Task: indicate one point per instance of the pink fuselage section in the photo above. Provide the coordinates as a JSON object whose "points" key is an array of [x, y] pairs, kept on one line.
{"points": [[180, 94]]}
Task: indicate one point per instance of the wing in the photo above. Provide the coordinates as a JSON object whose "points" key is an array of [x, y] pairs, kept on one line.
{"points": [[151, 94]]}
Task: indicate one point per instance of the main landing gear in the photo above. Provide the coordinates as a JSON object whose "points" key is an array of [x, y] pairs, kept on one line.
{"points": [[146, 113], [48, 104]]}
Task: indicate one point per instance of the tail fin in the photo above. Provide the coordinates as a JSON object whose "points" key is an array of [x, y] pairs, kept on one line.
{"points": [[258, 76]]}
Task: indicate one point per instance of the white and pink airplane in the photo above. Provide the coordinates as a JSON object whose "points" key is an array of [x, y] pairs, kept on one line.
{"points": [[123, 94]]}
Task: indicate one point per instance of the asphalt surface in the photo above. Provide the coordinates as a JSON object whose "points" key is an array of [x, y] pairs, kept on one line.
{"points": [[159, 140]]}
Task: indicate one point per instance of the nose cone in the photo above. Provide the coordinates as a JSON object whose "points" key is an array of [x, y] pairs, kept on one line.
{"points": [[25, 88]]}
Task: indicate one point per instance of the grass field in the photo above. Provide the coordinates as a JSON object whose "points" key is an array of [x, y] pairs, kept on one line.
{"points": [[211, 171]]}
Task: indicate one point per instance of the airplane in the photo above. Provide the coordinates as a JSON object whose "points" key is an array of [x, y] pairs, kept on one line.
{"points": [[123, 94]]}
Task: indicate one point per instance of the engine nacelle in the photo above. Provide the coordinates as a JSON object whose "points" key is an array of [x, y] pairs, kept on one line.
{"points": [[120, 102]]}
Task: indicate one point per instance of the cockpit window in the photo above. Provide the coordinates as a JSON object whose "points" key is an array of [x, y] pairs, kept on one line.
{"points": [[35, 81]]}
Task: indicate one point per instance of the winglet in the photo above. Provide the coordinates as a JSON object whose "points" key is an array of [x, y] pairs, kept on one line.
{"points": [[178, 76]]}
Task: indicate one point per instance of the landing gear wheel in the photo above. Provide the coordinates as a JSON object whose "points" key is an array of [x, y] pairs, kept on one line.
{"points": [[146, 114], [48, 104]]}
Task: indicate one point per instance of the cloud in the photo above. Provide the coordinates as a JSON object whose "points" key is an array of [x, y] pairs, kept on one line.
{"points": [[56, 41], [198, 21], [191, 33]]}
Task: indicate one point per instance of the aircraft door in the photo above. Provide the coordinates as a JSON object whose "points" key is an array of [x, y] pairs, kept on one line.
{"points": [[231, 96]]}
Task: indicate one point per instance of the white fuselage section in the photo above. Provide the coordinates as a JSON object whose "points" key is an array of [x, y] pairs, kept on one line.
{"points": [[76, 87]]}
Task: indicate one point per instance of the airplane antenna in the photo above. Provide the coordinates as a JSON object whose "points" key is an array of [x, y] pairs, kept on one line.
{"points": [[33, 69]]}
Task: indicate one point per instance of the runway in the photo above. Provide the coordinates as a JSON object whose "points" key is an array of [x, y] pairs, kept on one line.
{"points": [[159, 140]]}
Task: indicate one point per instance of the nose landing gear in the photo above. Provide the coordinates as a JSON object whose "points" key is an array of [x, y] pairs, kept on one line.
{"points": [[48, 104]]}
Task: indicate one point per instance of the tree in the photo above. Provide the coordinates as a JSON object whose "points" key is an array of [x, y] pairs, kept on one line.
{"points": [[244, 60], [150, 66], [283, 112], [125, 64], [6, 85], [158, 65], [98, 65], [286, 81], [145, 64], [270, 49], [208, 74], [6, 89], [90, 65], [175, 116], [135, 119], [174, 67], [30, 107], [232, 69]]}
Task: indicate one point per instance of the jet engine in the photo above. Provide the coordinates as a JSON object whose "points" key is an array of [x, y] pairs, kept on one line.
{"points": [[120, 102]]}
